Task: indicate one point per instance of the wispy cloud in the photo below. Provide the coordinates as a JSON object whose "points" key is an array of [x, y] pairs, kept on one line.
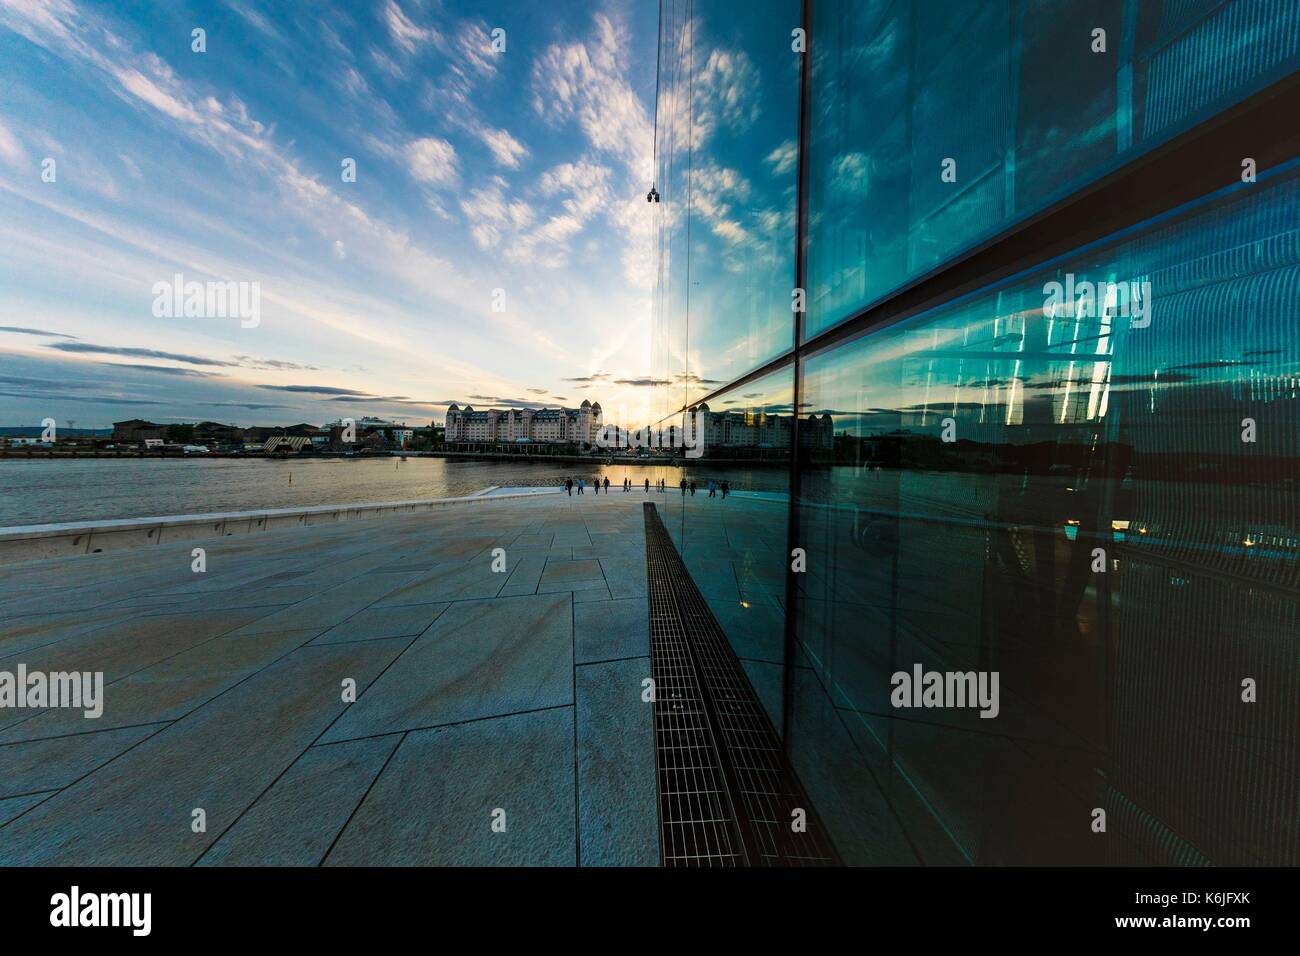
{"points": [[432, 160], [87, 347], [394, 272], [19, 330]]}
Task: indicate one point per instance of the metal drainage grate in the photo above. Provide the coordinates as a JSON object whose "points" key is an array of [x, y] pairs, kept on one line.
{"points": [[727, 794]]}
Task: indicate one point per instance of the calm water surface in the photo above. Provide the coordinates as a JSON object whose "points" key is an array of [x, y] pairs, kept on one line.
{"points": [[38, 491]]}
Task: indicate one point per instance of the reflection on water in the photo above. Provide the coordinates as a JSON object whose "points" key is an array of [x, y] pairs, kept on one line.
{"points": [[40, 491]]}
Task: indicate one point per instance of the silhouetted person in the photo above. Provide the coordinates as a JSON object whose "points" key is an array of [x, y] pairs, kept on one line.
{"points": [[683, 487], [606, 484], [692, 489], [568, 486], [725, 488], [647, 486]]}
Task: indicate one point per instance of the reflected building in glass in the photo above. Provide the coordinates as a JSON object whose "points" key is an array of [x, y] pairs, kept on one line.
{"points": [[1011, 290]]}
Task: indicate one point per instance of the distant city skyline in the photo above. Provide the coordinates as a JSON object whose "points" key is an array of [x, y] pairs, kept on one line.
{"points": [[495, 244]]}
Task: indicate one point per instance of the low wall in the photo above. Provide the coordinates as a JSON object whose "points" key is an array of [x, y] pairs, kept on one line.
{"points": [[40, 541]]}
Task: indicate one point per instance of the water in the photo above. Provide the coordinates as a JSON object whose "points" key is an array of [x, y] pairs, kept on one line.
{"points": [[40, 491]]}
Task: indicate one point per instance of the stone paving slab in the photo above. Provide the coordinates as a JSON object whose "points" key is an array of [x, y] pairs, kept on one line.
{"points": [[476, 690], [572, 575], [479, 659], [376, 623], [618, 807], [56, 762], [22, 634], [611, 630], [449, 581], [169, 689], [11, 807], [125, 647], [137, 810], [418, 814], [297, 821]]}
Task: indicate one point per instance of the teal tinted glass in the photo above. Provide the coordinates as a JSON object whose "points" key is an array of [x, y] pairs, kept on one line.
{"points": [[1085, 481], [935, 125]]}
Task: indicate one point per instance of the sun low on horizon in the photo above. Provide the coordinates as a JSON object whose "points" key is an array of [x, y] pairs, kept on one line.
{"points": [[422, 202]]}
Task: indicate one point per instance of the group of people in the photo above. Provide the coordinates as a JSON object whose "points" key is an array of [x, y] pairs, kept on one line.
{"points": [[714, 488], [580, 485]]}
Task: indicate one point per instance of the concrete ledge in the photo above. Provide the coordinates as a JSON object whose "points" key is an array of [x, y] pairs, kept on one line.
{"points": [[36, 542]]}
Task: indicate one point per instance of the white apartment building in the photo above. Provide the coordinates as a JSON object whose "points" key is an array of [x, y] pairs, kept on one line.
{"points": [[554, 425], [758, 429]]}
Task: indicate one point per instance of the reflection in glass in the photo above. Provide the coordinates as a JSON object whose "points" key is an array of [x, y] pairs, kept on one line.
{"points": [[937, 123], [727, 119], [731, 530], [1093, 492]]}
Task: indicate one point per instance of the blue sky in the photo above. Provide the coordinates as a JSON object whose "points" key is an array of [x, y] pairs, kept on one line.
{"points": [[523, 171]]}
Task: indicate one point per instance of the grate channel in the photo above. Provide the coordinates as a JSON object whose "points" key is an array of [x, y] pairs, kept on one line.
{"points": [[726, 791]]}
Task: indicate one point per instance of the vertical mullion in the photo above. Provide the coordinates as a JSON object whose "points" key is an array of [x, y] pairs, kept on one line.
{"points": [[800, 281]]}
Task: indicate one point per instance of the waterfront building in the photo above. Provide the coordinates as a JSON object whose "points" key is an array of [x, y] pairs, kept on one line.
{"points": [[545, 425], [399, 433], [137, 430], [757, 428], [287, 445], [206, 433], [1027, 271]]}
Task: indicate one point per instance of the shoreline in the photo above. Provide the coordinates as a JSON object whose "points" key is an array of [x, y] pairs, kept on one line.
{"points": [[35, 542], [49, 454]]}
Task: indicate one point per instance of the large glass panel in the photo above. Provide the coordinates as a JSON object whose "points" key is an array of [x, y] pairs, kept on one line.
{"points": [[734, 543], [727, 117], [938, 123], [726, 505], [672, 154], [744, 122], [1084, 481]]}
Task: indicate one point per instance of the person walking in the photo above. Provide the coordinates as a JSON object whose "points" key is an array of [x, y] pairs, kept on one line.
{"points": [[725, 488], [568, 486], [692, 489], [713, 488], [607, 484], [580, 486], [647, 486], [683, 487]]}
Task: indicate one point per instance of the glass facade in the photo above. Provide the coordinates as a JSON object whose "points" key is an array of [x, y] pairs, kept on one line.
{"points": [[935, 125], [1079, 485]]}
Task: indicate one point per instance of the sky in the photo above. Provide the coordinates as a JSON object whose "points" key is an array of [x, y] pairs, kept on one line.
{"points": [[494, 248]]}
